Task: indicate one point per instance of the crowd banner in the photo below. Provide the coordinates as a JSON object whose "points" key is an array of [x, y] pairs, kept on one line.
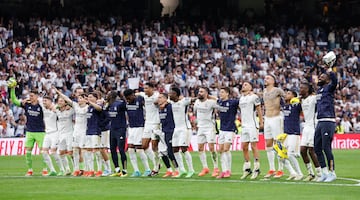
{"points": [[16, 146]]}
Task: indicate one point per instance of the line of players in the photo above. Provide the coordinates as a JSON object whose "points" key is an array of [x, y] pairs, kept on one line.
{"points": [[101, 124]]}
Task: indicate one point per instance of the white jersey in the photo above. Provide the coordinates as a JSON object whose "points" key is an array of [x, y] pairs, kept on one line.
{"points": [[204, 111], [65, 121], [50, 120], [309, 109], [179, 109], [80, 118], [151, 110], [247, 106]]}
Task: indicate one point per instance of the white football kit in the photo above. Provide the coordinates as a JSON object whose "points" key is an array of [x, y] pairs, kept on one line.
{"points": [[152, 120], [205, 117], [65, 128], [181, 136], [249, 122], [309, 109], [80, 125]]}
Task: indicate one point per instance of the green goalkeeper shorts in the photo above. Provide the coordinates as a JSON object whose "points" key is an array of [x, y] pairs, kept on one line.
{"points": [[32, 137]]}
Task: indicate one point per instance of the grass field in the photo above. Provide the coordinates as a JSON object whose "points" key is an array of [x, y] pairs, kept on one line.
{"points": [[13, 184]]}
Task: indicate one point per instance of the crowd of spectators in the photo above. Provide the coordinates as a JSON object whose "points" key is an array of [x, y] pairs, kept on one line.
{"points": [[106, 55]]}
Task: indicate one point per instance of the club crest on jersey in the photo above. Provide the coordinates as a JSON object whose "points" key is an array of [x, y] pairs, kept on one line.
{"points": [[227, 104], [137, 103]]}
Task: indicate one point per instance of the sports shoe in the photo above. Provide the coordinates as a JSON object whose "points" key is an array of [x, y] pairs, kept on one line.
{"points": [[61, 173], [175, 173], [215, 172], [90, 174], [116, 174], [147, 173], [29, 173], [279, 174], [255, 174], [135, 174], [81, 173], [180, 174], [44, 173], [98, 173], [204, 171], [310, 177], [154, 173], [221, 175], [168, 174], [321, 178], [330, 177], [227, 174], [106, 173], [68, 172], [124, 174], [52, 173], [246, 173], [76, 173], [298, 177], [270, 174], [291, 177], [190, 174]]}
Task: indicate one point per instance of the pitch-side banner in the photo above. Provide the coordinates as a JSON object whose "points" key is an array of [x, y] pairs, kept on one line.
{"points": [[16, 146]]}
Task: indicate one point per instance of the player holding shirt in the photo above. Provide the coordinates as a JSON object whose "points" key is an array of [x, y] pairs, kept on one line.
{"points": [[181, 136], [204, 109], [51, 139], [116, 109], [35, 126], [308, 105], [250, 105], [152, 125], [80, 110], [93, 132], [227, 109], [65, 128], [136, 120]]}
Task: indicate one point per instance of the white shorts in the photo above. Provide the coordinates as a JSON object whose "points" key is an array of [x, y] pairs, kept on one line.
{"points": [[51, 140], [65, 142], [249, 135], [135, 135], [206, 135], [149, 131], [273, 126], [181, 137], [307, 137], [292, 143], [105, 139], [78, 141], [226, 137], [93, 141]]}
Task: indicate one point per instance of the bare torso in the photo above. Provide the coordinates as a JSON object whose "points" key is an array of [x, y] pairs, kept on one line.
{"points": [[272, 101]]}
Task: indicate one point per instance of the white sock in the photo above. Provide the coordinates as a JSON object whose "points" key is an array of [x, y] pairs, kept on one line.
{"points": [[318, 171], [180, 161], [65, 162], [281, 164], [256, 165], [157, 161], [289, 167], [150, 154], [91, 159], [295, 163], [133, 159], [76, 157], [271, 158], [214, 158], [223, 161], [99, 159], [309, 168], [59, 162], [325, 170], [247, 165], [143, 158], [189, 162], [202, 156], [48, 162], [229, 160], [107, 165]]}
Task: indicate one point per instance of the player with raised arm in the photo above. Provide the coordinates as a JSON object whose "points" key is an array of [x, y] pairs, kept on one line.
{"points": [[116, 109], [65, 125], [181, 136], [93, 133], [308, 104], [273, 122], [325, 128], [152, 124], [250, 106], [227, 109], [80, 110], [35, 126], [51, 139], [136, 121], [204, 109]]}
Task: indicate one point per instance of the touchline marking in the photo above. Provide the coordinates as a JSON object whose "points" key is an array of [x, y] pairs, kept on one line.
{"points": [[261, 181]]}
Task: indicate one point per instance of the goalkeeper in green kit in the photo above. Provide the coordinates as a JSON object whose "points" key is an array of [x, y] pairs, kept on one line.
{"points": [[35, 126]]}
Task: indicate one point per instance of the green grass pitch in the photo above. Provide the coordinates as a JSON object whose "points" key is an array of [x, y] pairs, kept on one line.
{"points": [[13, 184]]}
